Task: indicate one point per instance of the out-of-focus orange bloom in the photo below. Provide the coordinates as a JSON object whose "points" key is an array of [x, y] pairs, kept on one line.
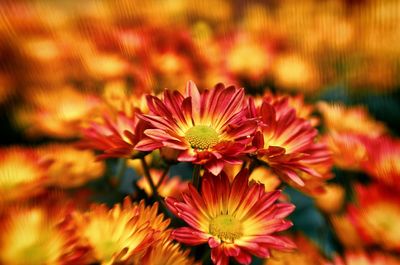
{"points": [[348, 149], [376, 216], [31, 236], [22, 174], [306, 253], [170, 186], [383, 162], [294, 72], [346, 231], [55, 112], [332, 199], [342, 119], [365, 258], [70, 167], [248, 58]]}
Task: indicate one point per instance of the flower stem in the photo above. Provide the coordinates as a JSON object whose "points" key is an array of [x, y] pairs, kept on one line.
{"points": [[196, 177], [163, 176], [149, 179]]}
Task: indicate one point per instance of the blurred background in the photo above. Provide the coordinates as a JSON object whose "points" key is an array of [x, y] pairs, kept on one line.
{"points": [[61, 60]]}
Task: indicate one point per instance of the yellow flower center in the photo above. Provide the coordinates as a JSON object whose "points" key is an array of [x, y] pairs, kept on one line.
{"points": [[201, 137], [226, 227]]}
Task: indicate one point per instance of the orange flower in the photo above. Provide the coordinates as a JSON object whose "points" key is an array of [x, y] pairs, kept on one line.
{"points": [[331, 201], [56, 112], [349, 150], [376, 216], [121, 234], [383, 162], [31, 236], [356, 120], [287, 143], [345, 231], [208, 129], [306, 254], [237, 220], [165, 252], [70, 167], [22, 174], [364, 258]]}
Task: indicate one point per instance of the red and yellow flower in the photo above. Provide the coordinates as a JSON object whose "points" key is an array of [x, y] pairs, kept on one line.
{"points": [[116, 135], [376, 216], [383, 162], [208, 129], [120, 234], [287, 143], [364, 258], [165, 252], [356, 120], [237, 219]]}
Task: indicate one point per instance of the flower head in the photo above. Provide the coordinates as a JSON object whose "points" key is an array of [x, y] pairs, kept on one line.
{"points": [[237, 219], [22, 174], [33, 236], [376, 216], [116, 135], [208, 128], [287, 143], [165, 252], [122, 233], [383, 162]]}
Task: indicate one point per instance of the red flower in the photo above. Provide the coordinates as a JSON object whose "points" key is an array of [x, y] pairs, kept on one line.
{"points": [[208, 129], [287, 143], [237, 219]]}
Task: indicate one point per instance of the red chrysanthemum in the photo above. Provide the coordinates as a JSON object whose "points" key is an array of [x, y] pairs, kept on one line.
{"points": [[208, 129], [116, 135], [383, 163], [237, 219], [287, 143]]}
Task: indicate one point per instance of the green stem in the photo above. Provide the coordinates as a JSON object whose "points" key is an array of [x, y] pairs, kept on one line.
{"points": [[149, 179], [163, 176], [196, 177]]}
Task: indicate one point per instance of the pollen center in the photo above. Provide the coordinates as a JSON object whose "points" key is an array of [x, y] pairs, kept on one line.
{"points": [[226, 227], [201, 137]]}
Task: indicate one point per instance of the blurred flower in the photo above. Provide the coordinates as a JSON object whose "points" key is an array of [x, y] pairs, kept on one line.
{"points": [[294, 72], [55, 112], [248, 59], [115, 135], [376, 216], [345, 231], [165, 252], [264, 176], [348, 149], [22, 174], [168, 187], [237, 220], [209, 128], [332, 199], [383, 162], [39, 236], [342, 119], [365, 258], [306, 254], [120, 234], [70, 167], [287, 143]]}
